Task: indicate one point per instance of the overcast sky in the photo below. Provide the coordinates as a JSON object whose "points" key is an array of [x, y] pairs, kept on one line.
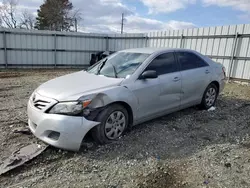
{"points": [[150, 15]]}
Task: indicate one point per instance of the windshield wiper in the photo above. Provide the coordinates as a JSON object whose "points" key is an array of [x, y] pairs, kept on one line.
{"points": [[101, 66], [114, 70]]}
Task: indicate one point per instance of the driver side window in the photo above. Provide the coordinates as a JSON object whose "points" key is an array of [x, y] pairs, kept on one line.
{"points": [[164, 64]]}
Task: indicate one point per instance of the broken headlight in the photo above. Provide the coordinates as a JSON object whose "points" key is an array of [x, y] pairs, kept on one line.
{"points": [[69, 108]]}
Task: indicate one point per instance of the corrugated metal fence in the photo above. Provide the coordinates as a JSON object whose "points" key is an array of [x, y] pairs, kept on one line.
{"points": [[228, 45], [31, 48]]}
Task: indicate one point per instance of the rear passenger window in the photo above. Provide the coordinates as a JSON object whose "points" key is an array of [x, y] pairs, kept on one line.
{"points": [[190, 61], [164, 64]]}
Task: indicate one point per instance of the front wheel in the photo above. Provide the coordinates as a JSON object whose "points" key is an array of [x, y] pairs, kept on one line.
{"points": [[114, 122], [210, 96]]}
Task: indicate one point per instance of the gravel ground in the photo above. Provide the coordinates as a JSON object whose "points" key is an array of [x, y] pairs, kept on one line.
{"points": [[190, 148]]}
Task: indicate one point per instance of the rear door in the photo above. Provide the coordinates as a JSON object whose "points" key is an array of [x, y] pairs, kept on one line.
{"points": [[196, 75]]}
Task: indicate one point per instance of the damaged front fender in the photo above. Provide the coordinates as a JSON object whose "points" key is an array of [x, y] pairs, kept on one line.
{"points": [[112, 95]]}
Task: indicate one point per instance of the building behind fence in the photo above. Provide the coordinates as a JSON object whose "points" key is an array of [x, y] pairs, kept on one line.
{"points": [[228, 45]]}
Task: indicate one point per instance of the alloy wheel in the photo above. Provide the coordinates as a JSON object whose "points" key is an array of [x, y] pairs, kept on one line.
{"points": [[210, 96], [115, 125]]}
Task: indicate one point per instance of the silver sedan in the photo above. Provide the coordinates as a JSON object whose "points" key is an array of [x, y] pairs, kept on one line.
{"points": [[124, 89]]}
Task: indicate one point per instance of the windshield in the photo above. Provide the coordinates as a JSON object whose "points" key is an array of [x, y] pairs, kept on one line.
{"points": [[119, 65]]}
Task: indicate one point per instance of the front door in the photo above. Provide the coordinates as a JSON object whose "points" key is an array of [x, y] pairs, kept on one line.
{"points": [[163, 94], [169, 76], [147, 92]]}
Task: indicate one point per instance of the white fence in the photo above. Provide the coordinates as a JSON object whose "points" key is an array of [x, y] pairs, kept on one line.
{"points": [[228, 45], [22, 48]]}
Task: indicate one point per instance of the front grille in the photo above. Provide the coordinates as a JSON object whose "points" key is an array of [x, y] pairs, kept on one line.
{"points": [[41, 103]]}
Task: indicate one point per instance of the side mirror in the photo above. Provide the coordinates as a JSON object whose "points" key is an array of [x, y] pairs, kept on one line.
{"points": [[149, 74]]}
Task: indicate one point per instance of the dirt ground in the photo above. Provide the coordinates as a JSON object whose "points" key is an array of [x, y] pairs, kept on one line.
{"points": [[186, 149]]}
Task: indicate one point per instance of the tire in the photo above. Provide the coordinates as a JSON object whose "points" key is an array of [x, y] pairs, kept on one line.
{"points": [[114, 122], [209, 97]]}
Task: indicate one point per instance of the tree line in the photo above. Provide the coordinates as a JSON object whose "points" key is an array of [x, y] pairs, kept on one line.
{"points": [[55, 15]]}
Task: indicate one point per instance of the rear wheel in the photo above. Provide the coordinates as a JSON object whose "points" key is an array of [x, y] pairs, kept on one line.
{"points": [[114, 122], [209, 96]]}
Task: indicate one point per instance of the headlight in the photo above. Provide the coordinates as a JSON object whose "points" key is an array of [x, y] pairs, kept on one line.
{"points": [[69, 108]]}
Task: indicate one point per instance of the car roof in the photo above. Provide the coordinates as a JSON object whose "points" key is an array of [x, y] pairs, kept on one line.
{"points": [[154, 50]]}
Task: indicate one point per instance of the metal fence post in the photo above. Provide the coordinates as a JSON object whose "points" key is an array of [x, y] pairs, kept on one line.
{"points": [[107, 43], [181, 40], [232, 56], [55, 48], [147, 41], [5, 49]]}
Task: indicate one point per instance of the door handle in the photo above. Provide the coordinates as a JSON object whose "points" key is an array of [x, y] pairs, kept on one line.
{"points": [[176, 79], [207, 71]]}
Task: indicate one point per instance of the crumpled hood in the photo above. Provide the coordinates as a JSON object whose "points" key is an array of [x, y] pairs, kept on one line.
{"points": [[73, 86]]}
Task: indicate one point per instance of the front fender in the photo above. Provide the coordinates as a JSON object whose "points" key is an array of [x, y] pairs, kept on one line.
{"points": [[111, 95]]}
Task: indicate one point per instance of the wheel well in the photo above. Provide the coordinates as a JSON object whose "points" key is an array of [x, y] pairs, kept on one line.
{"points": [[130, 115], [217, 84], [129, 110]]}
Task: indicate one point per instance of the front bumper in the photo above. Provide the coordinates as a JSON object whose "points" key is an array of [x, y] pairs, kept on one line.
{"points": [[69, 130]]}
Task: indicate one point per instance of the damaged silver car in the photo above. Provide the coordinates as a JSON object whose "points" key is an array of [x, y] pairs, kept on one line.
{"points": [[124, 89]]}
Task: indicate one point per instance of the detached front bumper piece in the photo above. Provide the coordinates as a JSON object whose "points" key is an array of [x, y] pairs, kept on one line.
{"points": [[61, 131], [21, 156]]}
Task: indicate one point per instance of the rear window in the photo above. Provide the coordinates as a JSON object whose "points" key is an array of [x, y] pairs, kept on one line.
{"points": [[189, 61]]}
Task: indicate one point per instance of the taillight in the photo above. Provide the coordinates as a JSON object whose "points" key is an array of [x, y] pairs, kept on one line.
{"points": [[224, 71]]}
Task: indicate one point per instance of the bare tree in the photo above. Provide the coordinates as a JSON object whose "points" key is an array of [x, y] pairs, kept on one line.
{"points": [[74, 17], [27, 20], [8, 13]]}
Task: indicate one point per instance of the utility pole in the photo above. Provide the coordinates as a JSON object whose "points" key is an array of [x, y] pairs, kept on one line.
{"points": [[75, 25], [122, 24]]}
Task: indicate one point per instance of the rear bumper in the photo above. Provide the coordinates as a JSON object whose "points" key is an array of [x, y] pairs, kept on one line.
{"points": [[69, 130], [222, 85]]}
